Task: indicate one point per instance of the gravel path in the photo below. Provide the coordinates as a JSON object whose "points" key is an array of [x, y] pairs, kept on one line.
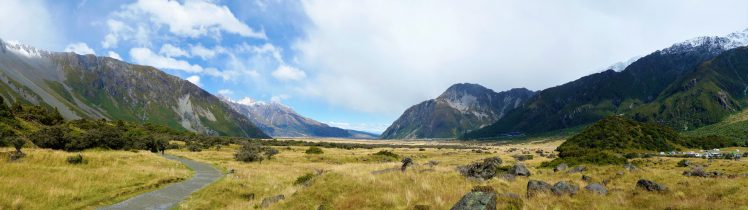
{"points": [[169, 196]]}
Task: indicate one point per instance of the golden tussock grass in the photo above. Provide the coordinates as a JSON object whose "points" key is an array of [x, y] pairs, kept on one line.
{"points": [[349, 184], [44, 180]]}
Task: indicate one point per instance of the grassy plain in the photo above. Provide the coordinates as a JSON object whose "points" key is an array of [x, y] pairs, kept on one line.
{"points": [[44, 180], [348, 182]]}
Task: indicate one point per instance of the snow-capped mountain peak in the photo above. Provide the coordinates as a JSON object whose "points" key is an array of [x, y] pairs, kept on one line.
{"points": [[21, 49], [714, 44]]}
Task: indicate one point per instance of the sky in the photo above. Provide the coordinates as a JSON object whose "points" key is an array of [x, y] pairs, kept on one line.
{"points": [[360, 64]]}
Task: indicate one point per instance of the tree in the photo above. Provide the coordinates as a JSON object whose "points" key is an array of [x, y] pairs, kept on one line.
{"points": [[17, 143]]}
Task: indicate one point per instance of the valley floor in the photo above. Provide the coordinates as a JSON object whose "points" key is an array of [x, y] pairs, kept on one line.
{"points": [[356, 179], [45, 180]]}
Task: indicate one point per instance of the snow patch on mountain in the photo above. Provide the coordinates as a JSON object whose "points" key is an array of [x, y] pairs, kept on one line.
{"points": [[714, 44], [22, 49]]}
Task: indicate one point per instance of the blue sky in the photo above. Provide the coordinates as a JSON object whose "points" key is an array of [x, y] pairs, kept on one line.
{"points": [[360, 64]]}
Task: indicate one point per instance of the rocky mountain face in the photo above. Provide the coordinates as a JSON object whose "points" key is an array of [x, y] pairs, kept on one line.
{"points": [[87, 86], [278, 120], [461, 108], [658, 87]]}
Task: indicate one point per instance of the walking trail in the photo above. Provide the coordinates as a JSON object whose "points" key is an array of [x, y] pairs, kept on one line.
{"points": [[169, 196]]}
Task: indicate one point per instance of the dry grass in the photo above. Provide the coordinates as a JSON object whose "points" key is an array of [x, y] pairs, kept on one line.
{"points": [[349, 183], [44, 180]]}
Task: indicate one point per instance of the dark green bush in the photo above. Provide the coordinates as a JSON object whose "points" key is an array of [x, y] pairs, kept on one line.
{"points": [[76, 159], [254, 152], [304, 179], [314, 150], [387, 153]]}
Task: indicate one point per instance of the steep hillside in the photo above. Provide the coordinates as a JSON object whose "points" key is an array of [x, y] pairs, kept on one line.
{"points": [[86, 86], [461, 108], [593, 97], [278, 120], [716, 89]]}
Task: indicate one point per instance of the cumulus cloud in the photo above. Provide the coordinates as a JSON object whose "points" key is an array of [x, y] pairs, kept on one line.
{"points": [[193, 18], [145, 56], [225, 92], [194, 79], [287, 73], [29, 22], [205, 53], [114, 55], [80, 48], [172, 51], [279, 98], [383, 56]]}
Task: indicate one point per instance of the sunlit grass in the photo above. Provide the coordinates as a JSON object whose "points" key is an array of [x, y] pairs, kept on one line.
{"points": [[44, 180], [349, 184]]}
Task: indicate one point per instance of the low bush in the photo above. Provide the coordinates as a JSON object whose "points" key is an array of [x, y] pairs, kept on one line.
{"points": [[254, 152], [304, 179], [314, 150], [387, 153], [76, 159]]}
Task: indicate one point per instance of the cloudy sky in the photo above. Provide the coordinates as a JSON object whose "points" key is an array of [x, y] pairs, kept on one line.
{"points": [[360, 64]]}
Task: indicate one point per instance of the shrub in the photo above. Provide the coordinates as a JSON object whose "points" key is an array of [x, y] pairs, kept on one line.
{"points": [[387, 153], [17, 143], [304, 179], [254, 152], [194, 147], [75, 159], [314, 150]]}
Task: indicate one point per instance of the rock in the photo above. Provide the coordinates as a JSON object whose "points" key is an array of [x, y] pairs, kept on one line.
{"points": [[577, 169], [565, 188], [266, 202], [586, 178], [519, 169], [629, 166], [699, 171], [432, 163], [596, 188], [407, 162], [684, 163], [480, 198], [508, 177], [481, 170], [534, 187], [650, 185], [560, 167]]}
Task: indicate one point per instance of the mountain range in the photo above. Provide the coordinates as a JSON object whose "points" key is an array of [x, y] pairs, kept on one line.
{"points": [[460, 109], [688, 85], [278, 120], [91, 87]]}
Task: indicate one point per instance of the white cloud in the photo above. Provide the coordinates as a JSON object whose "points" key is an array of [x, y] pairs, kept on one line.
{"points": [[193, 18], [145, 56], [29, 22], [80, 48], [114, 55], [172, 51], [205, 53], [194, 79], [382, 56], [116, 29], [285, 73], [225, 92], [279, 98]]}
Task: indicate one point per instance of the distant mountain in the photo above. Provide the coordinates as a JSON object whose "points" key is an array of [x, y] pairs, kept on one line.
{"points": [[278, 120], [461, 108], [87, 86], [653, 88]]}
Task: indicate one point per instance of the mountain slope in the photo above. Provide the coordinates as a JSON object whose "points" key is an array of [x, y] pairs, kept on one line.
{"points": [[593, 97], [461, 108], [278, 120], [86, 86]]}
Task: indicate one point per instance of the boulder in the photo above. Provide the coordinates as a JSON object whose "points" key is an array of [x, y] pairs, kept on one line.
{"points": [[519, 169], [560, 167], [480, 198], [577, 169], [650, 185], [484, 170], [597, 189], [565, 188], [699, 171], [266, 202], [534, 187]]}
